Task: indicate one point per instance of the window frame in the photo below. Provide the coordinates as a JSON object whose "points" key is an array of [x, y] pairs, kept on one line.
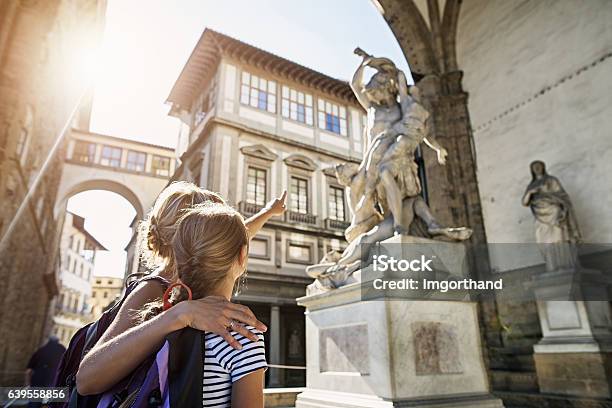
{"points": [[325, 109], [330, 188], [128, 162], [113, 149], [268, 240], [91, 153], [266, 172], [247, 87], [299, 177], [155, 171], [289, 259], [292, 97]]}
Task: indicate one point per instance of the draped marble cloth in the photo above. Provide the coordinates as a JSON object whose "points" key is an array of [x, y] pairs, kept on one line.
{"points": [[557, 229]]}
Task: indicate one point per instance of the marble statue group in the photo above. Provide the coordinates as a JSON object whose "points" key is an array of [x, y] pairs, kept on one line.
{"points": [[384, 189]]}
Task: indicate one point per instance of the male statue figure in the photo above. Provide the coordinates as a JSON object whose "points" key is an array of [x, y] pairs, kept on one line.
{"points": [[397, 124]]}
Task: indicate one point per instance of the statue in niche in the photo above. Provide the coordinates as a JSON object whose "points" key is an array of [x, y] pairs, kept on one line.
{"points": [[295, 344], [557, 231], [384, 190]]}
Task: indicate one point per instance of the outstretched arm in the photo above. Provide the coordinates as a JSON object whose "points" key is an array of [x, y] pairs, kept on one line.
{"points": [[274, 207], [433, 144], [357, 84]]}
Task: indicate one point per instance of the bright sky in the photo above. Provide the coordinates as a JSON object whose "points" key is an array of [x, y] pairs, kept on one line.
{"points": [[147, 42]]}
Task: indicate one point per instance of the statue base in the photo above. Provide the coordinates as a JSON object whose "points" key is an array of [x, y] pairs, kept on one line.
{"points": [[575, 353], [393, 352]]}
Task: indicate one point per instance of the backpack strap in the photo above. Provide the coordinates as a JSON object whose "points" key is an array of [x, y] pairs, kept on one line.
{"points": [[186, 367], [133, 280]]}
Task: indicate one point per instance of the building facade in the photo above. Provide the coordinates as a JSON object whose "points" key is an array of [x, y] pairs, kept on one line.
{"points": [[73, 308], [255, 124], [104, 291], [41, 43]]}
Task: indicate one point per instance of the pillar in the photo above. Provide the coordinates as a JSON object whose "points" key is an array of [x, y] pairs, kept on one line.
{"points": [[275, 346]]}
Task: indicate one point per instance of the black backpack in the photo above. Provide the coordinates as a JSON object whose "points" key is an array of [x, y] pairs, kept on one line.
{"points": [[84, 340]]}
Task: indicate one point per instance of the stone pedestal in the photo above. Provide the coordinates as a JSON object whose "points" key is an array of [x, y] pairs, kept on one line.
{"points": [[574, 356], [392, 352]]}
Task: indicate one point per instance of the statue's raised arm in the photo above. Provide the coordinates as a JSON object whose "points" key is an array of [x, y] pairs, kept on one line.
{"points": [[357, 84]]}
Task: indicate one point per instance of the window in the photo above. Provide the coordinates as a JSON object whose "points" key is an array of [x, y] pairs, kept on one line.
{"points": [[332, 117], [259, 248], [256, 186], [136, 161], [84, 151], [336, 203], [105, 294], [93, 294], [111, 156], [98, 281], [297, 105], [205, 104], [258, 92], [160, 166], [299, 195], [299, 253]]}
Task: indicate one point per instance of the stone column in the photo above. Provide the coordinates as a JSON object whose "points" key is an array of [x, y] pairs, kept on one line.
{"points": [[275, 345]]}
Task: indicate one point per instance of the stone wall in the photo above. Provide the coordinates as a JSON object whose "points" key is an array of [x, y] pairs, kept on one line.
{"points": [[40, 44], [537, 74]]}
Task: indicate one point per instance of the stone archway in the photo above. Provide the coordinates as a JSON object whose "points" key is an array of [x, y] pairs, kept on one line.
{"points": [[98, 184]]}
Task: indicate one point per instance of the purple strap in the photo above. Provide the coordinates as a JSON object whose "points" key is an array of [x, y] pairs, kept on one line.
{"points": [[157, 375], [162, 365]]}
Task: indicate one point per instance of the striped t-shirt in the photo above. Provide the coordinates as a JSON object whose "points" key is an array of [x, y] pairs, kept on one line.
{"points": [[223, 365]]}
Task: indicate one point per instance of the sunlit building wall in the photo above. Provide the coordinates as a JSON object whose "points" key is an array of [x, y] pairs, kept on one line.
{"points": [[104, 291], [42, 82]]}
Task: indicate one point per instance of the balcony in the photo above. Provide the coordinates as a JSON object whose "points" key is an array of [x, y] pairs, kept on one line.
{"points": [[292, 216], [341, 225], [249, 209]]}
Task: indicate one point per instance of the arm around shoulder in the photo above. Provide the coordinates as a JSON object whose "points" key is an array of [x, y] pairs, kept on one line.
{"points": [[126, 343]]}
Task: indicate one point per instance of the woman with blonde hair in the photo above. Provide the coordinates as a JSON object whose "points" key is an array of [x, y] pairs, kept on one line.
{"points": [[211, 251], [128, 341]]}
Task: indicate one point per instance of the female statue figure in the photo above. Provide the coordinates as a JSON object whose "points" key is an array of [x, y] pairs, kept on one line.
{"points": [[557, 231]]}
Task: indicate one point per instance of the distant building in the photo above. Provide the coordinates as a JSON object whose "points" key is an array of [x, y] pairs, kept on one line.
{"points": [[254, 124], [104, 291], [78, 250]]}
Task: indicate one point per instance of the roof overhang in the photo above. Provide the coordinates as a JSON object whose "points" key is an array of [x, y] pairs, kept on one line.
{"points": [[212, 46]]}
